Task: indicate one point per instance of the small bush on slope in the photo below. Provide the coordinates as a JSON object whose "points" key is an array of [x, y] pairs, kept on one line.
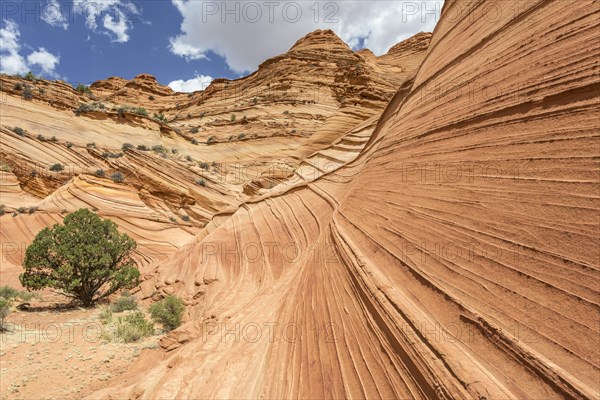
{"points": [[124, 303], [168, 312]]}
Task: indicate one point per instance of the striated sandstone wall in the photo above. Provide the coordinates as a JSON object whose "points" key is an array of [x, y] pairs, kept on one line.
{"points": [[459, 250]]}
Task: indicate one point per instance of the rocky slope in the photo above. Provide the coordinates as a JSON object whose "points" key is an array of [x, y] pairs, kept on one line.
{"points": [[445, 248], [191, 156], [456, 256]]}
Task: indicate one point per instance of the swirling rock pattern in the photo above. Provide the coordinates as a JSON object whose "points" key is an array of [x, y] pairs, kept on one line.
{"points": [[449, 250], [463, 239], [189, 178]]}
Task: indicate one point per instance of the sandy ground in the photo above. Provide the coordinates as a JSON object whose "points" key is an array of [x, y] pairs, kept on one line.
{"points": [[54, 353]]}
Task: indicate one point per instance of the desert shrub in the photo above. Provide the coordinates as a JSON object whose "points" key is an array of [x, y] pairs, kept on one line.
{"points": [[69, 145], [99, 173], [141, 111], [124, 303], [33, 173], [168, 312], [185, 218], [232, 118], [108, 154], [90, 107], [19, 131], [160, 117], [142, 147], [30, 76], [5, 305], [56, 167], [201, 182], [21, 210], [286, 112], [230, 138], [18, 86], [172, 219], [32, 210], [84, 89], [194, 141], [42, 90], [91, 145], [27, 296], [27, 93], [41, 138], [189, 158], [174, 151], [83, 108], [159, 148], [127, 146], [151, 98], [241, 136], [134, 110], [202, 114], [194, 129], [8, 292], [117, 177], [2, 209], [255, 100], [203, 165], [86, 259], [132, 328], [53, 139], [106, 315], [210, 140], [5, 167]]}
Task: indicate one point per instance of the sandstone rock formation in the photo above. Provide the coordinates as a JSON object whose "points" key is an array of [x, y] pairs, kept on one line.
{"points": [[444, 248], [193, 156]]}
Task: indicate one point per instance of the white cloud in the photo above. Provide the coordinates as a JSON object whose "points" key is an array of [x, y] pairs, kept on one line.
{"points": [[9, 37], [247, 33], [117, 26], [109, 17], [45, 60], [53, 14], [92, 9], [12, 62], [200, 82], [185, 50], [117, 17]]}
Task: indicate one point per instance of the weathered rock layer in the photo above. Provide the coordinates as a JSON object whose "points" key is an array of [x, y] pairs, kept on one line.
{"points": [[450, 248], [455, 257]]}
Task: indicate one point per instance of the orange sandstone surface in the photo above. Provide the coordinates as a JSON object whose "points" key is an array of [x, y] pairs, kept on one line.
{"points": [[424, 224]]}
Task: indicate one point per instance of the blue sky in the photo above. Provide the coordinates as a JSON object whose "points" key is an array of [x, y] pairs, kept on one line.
{"points": [[183, 42]]}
